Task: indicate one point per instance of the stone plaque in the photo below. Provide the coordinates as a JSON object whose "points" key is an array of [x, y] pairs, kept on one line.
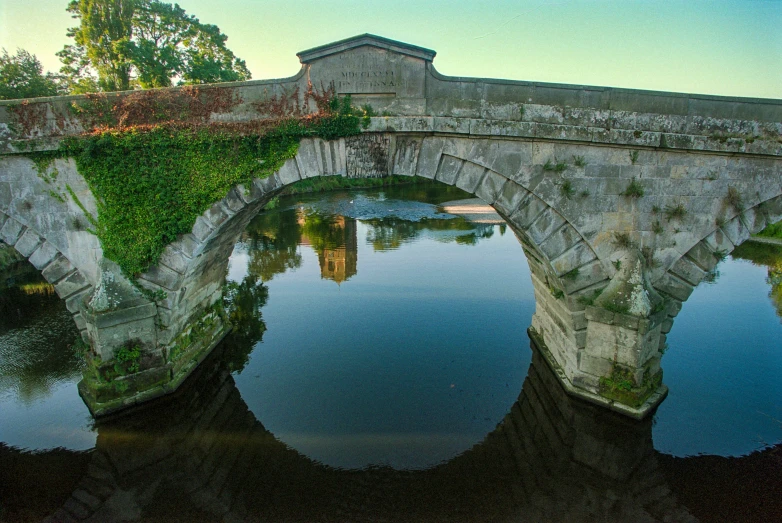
{"points": [[382, 72]]}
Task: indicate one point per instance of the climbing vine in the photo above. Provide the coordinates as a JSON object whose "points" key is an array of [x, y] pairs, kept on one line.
{"points": [[152, 180]]}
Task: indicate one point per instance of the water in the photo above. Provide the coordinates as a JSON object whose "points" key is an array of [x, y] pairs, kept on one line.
{"points": [[380, 369]]}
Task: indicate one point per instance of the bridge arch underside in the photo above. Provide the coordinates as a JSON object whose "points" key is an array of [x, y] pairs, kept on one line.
{"points": [[69, 282], [574, 211]]}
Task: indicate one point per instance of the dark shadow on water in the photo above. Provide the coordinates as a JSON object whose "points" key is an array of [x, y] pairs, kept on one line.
{"points": [[202, 455]]}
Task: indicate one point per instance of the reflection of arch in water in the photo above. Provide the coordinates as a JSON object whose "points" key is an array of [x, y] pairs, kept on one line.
{"points": [[204, 455]]}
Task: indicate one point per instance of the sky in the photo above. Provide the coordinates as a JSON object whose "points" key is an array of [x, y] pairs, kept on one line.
{"points": [[723, 47]]}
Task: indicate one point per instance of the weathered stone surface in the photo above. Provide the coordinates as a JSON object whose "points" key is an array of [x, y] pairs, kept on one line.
{"points": [[57, 269], [289, 172], [367, 156], [43, 256], [71, 285], [470, 176], [28, 242], [201, 230], [490, 188], [11, 231]]}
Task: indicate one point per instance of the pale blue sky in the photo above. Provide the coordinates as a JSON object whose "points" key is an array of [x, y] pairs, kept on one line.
{"points": [[717, 47]]}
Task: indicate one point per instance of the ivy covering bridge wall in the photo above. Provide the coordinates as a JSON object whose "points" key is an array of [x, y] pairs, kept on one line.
{"points": [[155, 162]]}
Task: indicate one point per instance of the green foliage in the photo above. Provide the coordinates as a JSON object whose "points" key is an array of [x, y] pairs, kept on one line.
{"points": [[634, 190], [571, 275], [633, 156], [103, 25], [555, 167], [566, 189], [558, 293], [151, 184], [43, 161], [21, 76], [622, 240], [675, 212], [621, 386], [127, 359], [119, 44], [620, 379], [773, 230], [657, 227], [579, 161], [368, 114]]}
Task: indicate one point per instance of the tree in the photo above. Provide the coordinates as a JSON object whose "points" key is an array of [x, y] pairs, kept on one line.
{"points": [[146, 43], [21, 76], [103, 25]]}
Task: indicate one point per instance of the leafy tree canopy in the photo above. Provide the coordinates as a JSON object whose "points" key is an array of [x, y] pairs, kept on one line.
{"points": [[21, 76], [122, 44]]}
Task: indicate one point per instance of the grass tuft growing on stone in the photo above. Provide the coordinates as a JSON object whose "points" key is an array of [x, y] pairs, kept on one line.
{"points": [[555, 167], [622, 240], [675, 212], [734, 200], [634, 190], [566, 189]]}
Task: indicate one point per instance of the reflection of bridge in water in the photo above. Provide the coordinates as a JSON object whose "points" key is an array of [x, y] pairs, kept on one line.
{"points": [[204, 456]]}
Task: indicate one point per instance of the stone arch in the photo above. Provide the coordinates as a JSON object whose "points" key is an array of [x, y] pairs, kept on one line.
{"points": [[69, 282], [686, 273], [563, 263]]}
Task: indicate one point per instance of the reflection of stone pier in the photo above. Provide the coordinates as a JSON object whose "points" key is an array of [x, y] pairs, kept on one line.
{"points": [[202, 455]]}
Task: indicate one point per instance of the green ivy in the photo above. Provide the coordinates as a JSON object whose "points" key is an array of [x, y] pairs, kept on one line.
{"points": [[151, 184]]}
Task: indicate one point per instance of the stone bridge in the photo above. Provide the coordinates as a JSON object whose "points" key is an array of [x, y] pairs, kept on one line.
{"points": [[622, 200]]}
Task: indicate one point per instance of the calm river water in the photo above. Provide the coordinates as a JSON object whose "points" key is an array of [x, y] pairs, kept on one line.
{"points": [[380, 370]]}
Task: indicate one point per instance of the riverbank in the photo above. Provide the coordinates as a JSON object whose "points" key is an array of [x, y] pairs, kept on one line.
{"points": [[334, 183], [766, 240]]}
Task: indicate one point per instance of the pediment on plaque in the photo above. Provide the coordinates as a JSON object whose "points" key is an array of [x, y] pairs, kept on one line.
{"points": [[369, 66]]}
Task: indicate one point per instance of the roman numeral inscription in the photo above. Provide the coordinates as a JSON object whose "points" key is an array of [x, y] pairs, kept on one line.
{"points": [[366, 81]]}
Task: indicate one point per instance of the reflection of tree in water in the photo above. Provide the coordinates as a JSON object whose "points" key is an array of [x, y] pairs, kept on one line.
{"points": [[769, 256], [243, 302], [323, 232], [390, 233], [37, 337], [272, 241]]}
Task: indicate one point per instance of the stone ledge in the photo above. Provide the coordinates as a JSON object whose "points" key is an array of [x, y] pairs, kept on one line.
{"points": [[140, 309], [638, 137]]}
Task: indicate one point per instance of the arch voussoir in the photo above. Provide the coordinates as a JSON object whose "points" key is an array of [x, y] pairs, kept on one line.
{"points": [[69, 282]]}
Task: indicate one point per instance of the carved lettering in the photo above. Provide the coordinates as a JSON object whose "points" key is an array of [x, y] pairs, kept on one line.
{"points": [[366, 81]]}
